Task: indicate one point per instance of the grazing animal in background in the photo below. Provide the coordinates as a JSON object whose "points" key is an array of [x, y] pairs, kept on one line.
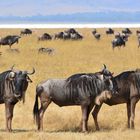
{"points": [[126, 31], [76, 36], [110, 31], [66, 36], [46, 50], [128, 84], [26, 32], [59, 35], [9, 40], [97, 35], [71, 31], [138, 32], [94, 31], [44, 37], [79, 89], [13, 85], [119, 41]]}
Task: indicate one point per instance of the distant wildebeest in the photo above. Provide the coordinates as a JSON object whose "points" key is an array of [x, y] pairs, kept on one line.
{"points": [[59, 35], [78, 89], [46, 50], [126, 31], [110, 31], [94, 31], [26, 32], [9, 40], [13, 85], [96, 35], [119, 41], [71, 31], [138, 32], [76, 36], [66, 35], [45, 36], [128, 84]]}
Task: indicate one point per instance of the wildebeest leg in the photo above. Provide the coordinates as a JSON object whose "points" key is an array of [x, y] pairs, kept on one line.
{"points": [[90, 107], [84, 118], [44, 105], [134, 100], [9, 115], [128, 114], [95, 115]]}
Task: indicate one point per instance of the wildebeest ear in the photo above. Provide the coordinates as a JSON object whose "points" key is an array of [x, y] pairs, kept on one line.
{"points": [[11, 75], [28, 79]]}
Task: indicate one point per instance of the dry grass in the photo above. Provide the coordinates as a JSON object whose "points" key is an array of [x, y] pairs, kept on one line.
{"points": [[70, 57]]}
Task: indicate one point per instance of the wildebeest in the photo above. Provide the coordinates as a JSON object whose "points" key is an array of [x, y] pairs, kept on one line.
{"points": [[97, 35], [126, 31], [119, 41], [26, 32], [13, 85], [128, 84], [138, 32], [79, 89], [46, 50], [45, 36], [9, 40], [76, 36], [94, 31], [59, 35], [110, 31], [71, 31]]}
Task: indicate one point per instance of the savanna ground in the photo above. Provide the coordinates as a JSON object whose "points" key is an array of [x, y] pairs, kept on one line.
{"points": [[69, 57]]}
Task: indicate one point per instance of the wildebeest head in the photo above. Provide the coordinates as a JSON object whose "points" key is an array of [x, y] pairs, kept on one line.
{"points": [[19, 80]]}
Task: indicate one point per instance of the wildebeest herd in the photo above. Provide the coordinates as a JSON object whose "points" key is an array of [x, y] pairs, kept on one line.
{"points": [[88, 90], [120, 38]]}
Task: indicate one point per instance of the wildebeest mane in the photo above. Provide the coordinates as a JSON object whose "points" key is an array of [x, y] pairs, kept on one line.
{"points": [[87, 85]]}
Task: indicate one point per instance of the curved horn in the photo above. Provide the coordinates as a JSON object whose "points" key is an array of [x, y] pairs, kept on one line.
{"points": [[12, 67], [30, 73], [104, 66]]}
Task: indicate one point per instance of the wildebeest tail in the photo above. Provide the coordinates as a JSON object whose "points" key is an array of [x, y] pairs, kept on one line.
{"points": [[36, 105]]}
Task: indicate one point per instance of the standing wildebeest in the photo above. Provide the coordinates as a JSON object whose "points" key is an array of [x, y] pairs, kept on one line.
{"points": [[119, 41], [13, 85], [78, 89], [128, 84], [26, 32], [76, 36], [45, 36], [9, 40], [94, 31], [126, 31], [110, 31], [96, 35]]}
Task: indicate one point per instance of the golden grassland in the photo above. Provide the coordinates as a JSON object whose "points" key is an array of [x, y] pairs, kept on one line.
{"points": [[69, 57]]}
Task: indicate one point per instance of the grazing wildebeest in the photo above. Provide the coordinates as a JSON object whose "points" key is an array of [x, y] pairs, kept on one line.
{"points": [[76, 36], [13, 85], [26, 32], [78, 89], [45, 36], [119, 41], [97, 35], [128, 84], [59, 35], [94, 31], [71, 31], [9, 40], [46, 50], [138, 32], [66, 35], [126, 31], [110, 31]]}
